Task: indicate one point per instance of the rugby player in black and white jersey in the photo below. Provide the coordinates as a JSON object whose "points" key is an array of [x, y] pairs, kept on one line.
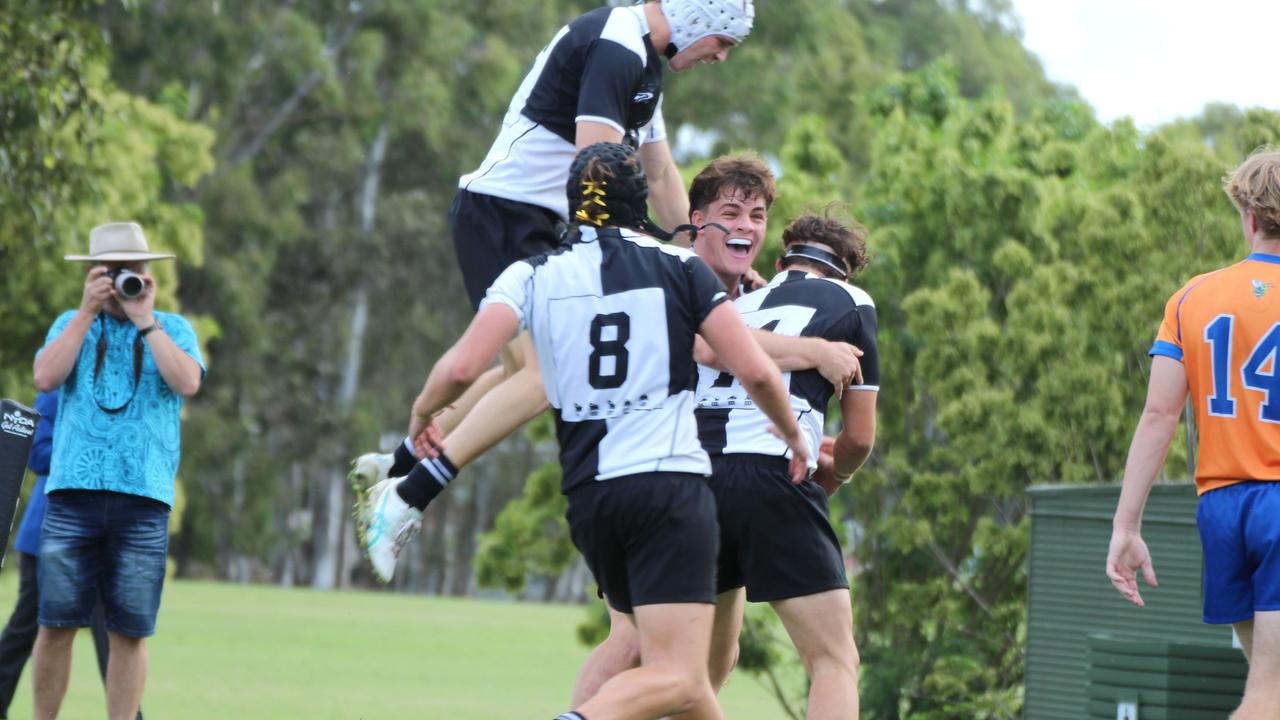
{"points": [[796, 563], [598, 80], [613, 317]]}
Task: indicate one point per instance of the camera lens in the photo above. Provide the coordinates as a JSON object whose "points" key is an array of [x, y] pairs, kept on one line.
{"points": [[129, 284]]}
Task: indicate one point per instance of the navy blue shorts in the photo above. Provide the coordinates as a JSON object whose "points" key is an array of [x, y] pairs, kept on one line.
{"points": [[1240, 533], [95, 543]]}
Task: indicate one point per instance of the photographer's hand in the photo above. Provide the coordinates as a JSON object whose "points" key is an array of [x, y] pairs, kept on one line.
{"points": [[180, 372], [139, 310], [98, 289]]}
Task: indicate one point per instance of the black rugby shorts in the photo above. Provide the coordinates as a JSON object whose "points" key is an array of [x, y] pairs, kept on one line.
{"points": [[648, 538], [775, 537], [490, 233]]}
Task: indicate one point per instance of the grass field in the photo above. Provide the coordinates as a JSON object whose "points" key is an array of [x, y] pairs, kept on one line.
{"points": [[243, 651]]}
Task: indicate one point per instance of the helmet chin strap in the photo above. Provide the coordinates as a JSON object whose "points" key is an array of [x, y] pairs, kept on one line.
{"points": [[649, 227]]}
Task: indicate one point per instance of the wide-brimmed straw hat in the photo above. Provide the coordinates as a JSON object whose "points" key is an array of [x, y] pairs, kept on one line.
{"points": [[119, 242]]}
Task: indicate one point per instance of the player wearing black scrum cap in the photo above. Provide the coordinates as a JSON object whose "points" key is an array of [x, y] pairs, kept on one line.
{"points": [[612, 316], [598, 80]]}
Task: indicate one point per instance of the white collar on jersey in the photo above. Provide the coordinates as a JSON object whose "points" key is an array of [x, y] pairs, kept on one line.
{"points": [[782, 276]]}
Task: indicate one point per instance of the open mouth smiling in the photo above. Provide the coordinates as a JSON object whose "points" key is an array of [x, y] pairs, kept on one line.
{"points": [[739, 247]]}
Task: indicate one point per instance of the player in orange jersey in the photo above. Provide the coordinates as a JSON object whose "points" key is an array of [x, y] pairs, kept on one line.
{"points": [[1220, 342]]}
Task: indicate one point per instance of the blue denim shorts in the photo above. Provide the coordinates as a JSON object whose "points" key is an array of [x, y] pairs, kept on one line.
{"points": [[1240, 533], [104, 544]]}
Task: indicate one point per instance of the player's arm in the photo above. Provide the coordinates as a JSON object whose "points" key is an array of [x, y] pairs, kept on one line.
{"points": [[858, 435], [836, 361], [589, 132], [462, 365], [667, 195], [1166, 395], [727, 335]]}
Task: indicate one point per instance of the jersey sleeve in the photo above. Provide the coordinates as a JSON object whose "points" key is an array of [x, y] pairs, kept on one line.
{"points": [[609, 80], [705, 289], [513, 288], [858, 328], [1169, 338]]}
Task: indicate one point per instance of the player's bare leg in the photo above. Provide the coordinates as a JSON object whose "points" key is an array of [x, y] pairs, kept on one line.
{"points": [[516, 400], [675, 639], [1262, 646], [821, 627], [724, 636], [619, 652]]}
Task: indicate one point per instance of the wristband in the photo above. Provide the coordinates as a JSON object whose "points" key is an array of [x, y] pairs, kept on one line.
{"points": [[149, 329]]}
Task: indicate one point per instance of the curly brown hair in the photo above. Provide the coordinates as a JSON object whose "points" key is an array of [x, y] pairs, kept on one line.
{"points": [[848, 240], [745, 173], [1254, 187]]}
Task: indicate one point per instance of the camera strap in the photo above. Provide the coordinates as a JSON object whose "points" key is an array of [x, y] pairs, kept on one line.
{"points": [[100, 353]]}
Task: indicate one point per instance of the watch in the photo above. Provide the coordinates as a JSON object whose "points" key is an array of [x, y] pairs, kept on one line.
{"points": [[148, 329]]}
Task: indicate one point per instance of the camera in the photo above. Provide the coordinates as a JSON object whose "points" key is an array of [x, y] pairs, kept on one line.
{"points": [[128, 283]]}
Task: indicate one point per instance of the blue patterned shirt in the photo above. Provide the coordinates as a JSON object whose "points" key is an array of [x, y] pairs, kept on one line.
{"points": [[136, 450]]}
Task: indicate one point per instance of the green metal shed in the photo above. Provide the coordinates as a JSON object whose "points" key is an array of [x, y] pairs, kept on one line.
{"points": [[1070, 597]]}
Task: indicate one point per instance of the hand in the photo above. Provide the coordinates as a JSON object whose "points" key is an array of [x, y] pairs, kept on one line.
{"points": [[799, 465], [838, 363], [825, 475], [98, 289], [139, 310], [1128, 552], [428, 440], [753, 280]]}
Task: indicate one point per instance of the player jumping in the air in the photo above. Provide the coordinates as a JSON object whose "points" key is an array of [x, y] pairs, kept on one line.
{"points": [[598, 80]]}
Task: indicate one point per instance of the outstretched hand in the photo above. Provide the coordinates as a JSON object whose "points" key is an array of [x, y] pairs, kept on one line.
{"points": [[1127, 553]]}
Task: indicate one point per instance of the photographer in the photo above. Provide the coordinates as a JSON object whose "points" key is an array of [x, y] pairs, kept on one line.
{"points": [[124, 370]]}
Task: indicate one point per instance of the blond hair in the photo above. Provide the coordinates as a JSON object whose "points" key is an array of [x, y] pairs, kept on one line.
{"points": [[1254, 187]]}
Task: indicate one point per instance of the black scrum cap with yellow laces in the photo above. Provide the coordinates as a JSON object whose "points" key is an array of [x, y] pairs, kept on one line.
{"points": [[607, 186]]}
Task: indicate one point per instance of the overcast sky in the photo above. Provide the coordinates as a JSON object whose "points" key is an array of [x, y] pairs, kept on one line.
{"points": [[1156, 60]]}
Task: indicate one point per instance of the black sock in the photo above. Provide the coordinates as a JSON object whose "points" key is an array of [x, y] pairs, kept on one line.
{"points": [[404, 459], [426, 480]]}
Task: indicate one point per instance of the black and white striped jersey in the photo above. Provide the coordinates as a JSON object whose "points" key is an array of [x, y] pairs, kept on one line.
{"points": [[613, 319], [602, 68], [793, 304]]}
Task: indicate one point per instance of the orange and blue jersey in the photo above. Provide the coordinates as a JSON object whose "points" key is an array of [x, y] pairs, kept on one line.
{"points": [[1224, 326]]}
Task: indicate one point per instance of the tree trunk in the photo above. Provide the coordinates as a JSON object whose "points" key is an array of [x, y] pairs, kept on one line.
{"points": [[331, 565]]}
